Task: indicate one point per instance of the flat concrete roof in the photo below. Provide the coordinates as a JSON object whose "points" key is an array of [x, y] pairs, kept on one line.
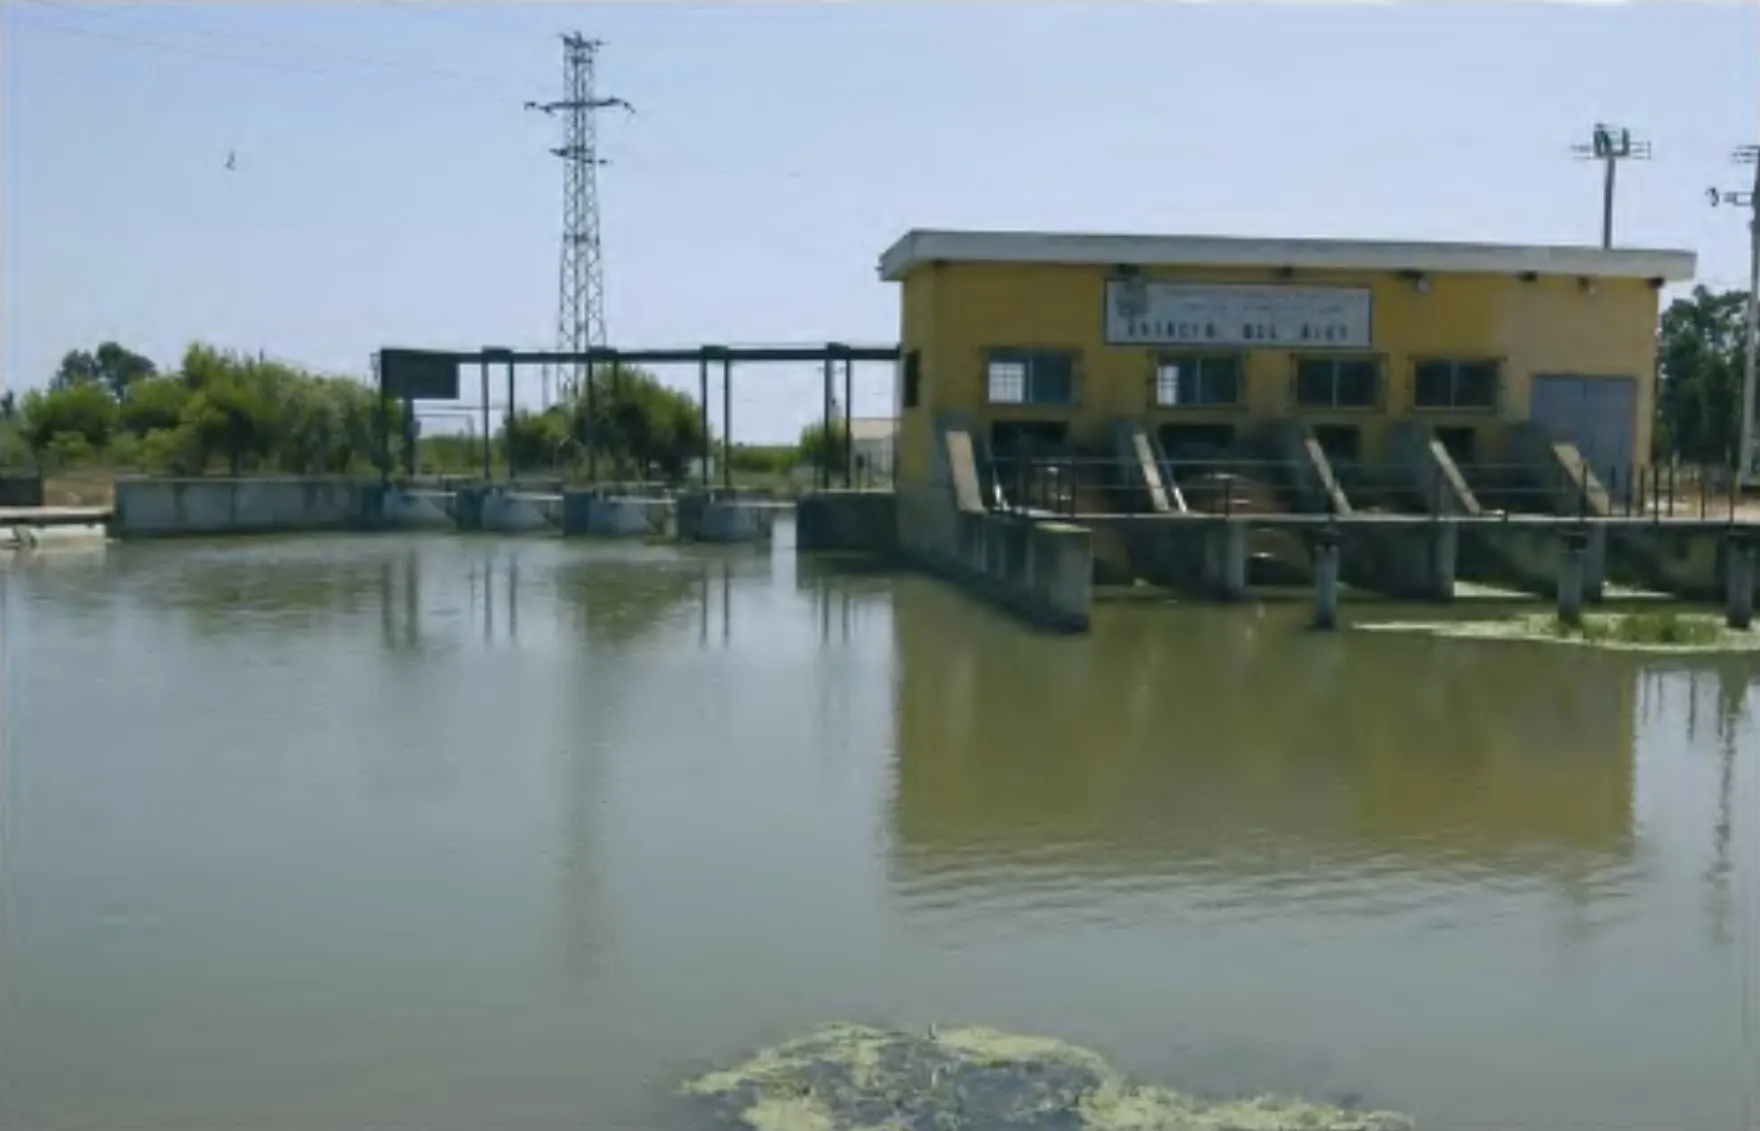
{"points": [[918, 247]]}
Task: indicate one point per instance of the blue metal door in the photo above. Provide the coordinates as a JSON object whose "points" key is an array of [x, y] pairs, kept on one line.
{"points": [[1597, 414]]}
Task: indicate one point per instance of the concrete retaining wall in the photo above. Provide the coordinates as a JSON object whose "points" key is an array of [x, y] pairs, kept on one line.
{"points": [[704, 518], [1526, 556], [858, 521], [21, 490], [606, 516], [157, 508], [507, 512], [1042, 571], [1684, 559]]}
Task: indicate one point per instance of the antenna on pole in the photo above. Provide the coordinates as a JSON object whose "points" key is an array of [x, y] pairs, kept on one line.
{"points": [[1750, 198], [1610, 144], [580, 289]]}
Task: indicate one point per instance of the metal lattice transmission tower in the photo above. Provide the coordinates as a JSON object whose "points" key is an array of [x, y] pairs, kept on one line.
{"points": [[580, 288]]}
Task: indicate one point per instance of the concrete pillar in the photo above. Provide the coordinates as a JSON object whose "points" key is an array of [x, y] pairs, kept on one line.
{"points": [[577, 512], [1445, 539], [468, 507], [1570, 577], [1225, 560], [1326, 580], [1740, 614], [1595, 563]]}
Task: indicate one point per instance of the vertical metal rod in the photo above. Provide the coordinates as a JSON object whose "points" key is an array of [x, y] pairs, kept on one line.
{"points": [[384, 436], [507, 429], [409, 437], [822, 475], [1750, 335], [486, 433], [727, 423], [703, 404], [592, 437], [1607, 203], [849, 439]]}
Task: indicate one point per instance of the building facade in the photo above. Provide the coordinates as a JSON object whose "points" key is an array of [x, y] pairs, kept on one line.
{"points": [[871, 441], [1049, 338]]}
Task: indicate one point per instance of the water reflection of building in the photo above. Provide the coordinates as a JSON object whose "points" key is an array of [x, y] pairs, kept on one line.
{"points": [[1205, 738]]}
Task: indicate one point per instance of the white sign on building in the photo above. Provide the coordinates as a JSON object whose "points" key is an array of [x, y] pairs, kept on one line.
{"points": [[1144, 312]]}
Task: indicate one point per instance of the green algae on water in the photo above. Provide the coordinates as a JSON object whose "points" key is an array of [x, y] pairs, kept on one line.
{"points": [[1667, 631], [855, 1078]]}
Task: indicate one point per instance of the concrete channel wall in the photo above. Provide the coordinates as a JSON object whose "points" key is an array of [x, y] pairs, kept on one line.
{"points": [[163, 508], [21, 490], [1041, 571], [851, 521]]}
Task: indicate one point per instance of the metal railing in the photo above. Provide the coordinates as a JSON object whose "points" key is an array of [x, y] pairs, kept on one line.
{"points": [[1076, 485]]}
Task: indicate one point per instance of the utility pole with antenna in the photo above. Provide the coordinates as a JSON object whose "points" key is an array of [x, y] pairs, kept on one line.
{"points": [[1610, 144], [580, 298], [1747, 155]]}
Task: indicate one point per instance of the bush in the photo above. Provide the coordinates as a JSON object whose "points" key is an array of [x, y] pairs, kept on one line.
{"points": [[84, 409], [68, 450]]}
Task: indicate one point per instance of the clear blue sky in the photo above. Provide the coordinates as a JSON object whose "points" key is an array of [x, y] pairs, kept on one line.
{"points": [[390, 190]]}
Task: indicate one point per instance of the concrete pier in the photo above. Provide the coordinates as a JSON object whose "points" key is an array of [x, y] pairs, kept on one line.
{"points": [[702, 517], [610, 516], [1041, 571], [1326, 579], [1570, 578], [859, 521], [1225, 560], [1740, 612]]}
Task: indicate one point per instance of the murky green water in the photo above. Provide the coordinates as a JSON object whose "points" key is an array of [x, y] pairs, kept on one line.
{"points": [[462, 833]]}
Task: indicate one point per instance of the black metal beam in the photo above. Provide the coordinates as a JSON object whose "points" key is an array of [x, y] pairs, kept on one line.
{"points": [[830, 352]]}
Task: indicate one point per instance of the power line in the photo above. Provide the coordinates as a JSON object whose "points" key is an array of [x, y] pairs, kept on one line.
{"points": [[580, 299], [1610, 144], [326, 68], [1750, 197]]}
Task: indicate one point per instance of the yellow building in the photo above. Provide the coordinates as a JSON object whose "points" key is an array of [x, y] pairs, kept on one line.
{"points": [[1052, 337]]}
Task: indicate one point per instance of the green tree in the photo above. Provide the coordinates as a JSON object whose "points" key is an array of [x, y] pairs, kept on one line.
{"points": [[78, 367], [824, 447], [643, 424], [228, 418], [152, 403], [1700, 353], [538, 439], [118, 368], [81, 408]]}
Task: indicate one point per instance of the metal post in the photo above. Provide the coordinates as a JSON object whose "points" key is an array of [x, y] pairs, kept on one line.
{"points": [[849, 439], [409, 437], [1570, 577], [1607, 202], [384, 438], [703, 404], [620, 450], [507, 429], [592, 423], [487, 437], [727, 423], [822, 475], [1751, 330]]}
